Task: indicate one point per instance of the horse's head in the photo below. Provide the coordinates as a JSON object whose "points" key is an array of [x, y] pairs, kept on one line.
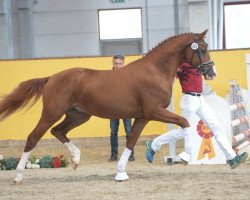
{"points": [[197, 55]]}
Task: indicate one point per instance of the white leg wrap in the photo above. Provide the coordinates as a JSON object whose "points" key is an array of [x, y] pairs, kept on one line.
{"points": [[121, 174], [187, 140], [225, 146], [21, 166], [167, 138], [74, 150], [123, 160]]}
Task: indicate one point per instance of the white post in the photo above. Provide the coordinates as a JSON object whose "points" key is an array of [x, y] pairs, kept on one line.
{"points": [[248, 73]]}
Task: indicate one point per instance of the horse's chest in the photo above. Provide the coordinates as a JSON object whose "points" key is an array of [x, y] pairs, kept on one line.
{"points": [[165, 96]]}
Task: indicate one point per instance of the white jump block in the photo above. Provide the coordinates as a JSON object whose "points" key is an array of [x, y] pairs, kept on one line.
{"points": [[246, 99]]}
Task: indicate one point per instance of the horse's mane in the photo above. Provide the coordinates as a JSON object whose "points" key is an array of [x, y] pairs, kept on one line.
{"points": [[165, 41]]}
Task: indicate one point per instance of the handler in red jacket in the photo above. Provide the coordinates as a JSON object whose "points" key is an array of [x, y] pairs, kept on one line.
{"points": [[192, 103]]}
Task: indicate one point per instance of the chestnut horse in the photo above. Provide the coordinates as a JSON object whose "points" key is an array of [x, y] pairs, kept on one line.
{"points": [[141, 90]]}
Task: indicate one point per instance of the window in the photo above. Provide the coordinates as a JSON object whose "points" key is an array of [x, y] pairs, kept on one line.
{"points": [[120, 24], [237, 26]]}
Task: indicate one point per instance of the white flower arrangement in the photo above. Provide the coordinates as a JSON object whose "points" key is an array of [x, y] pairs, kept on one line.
{"points": [[34, 162], [35, 166], [1, 158], [29, 165]]}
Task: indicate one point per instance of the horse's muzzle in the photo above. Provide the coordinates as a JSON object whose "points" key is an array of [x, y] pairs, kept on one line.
{"points": [[208, 70]]}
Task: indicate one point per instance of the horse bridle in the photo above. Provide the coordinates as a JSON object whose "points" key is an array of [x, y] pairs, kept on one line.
{"points": [[204, 67]]}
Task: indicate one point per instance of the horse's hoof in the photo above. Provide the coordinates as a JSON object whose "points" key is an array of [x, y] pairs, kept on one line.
{"points": [[74, 164], [184, 162], [19, 179], [18, 182], [121, 176]]}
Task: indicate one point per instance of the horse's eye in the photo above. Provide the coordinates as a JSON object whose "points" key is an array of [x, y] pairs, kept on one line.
{"points": [[203, 51]]}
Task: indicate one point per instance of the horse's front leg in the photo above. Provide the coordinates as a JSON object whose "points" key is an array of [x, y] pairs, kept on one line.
{"points": [[137, 128], [166, 116]]}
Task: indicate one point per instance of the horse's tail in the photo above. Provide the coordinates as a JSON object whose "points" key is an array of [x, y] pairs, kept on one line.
{"points": [[21, 96]]}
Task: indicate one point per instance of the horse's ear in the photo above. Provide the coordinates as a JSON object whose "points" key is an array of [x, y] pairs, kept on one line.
{"points": [[204, 33]]}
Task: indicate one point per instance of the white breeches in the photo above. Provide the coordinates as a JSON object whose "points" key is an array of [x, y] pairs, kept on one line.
{"points": [[191, 106]]}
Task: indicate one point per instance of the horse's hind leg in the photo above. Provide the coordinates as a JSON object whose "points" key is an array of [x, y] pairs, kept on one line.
{"points": [[73, 119], [43, 125]]}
